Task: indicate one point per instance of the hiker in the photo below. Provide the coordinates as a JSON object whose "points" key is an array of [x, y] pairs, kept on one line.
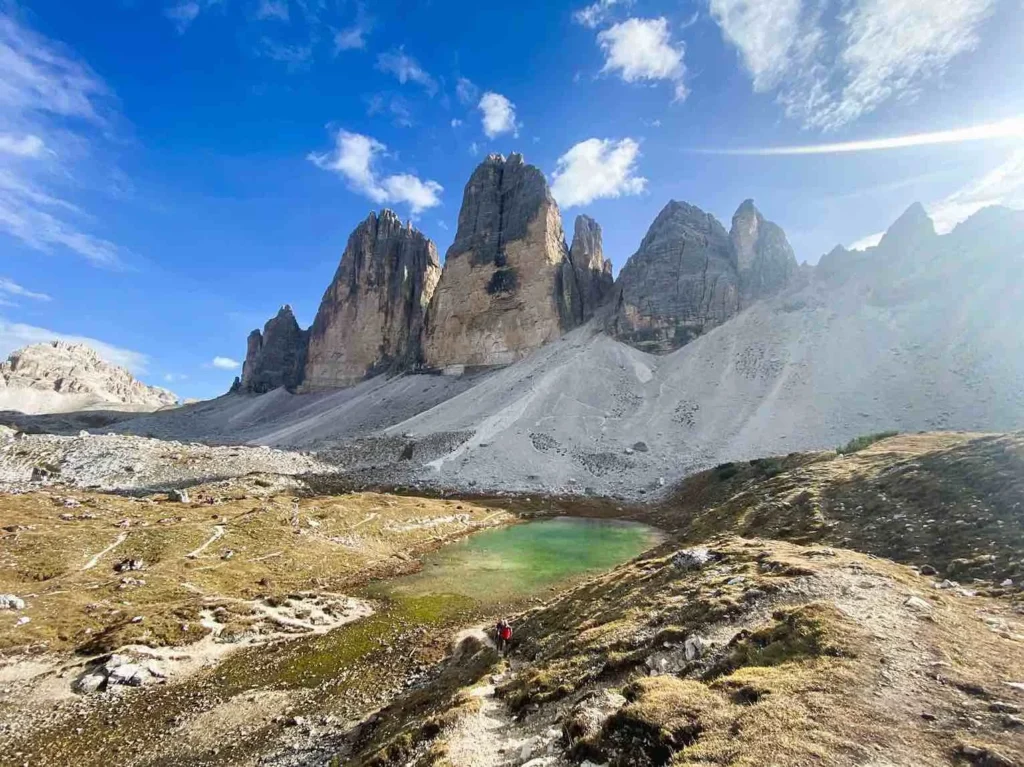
{"points": [[502, 635]]}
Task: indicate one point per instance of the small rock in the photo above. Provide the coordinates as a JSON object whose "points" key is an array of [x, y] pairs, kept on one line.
{"points": [[694, 647], [947, 584], [998, 707], [89, 683], [295, 721], [22, 620], [928, 570], [734, 581], [1007, 583], [918, 604], [181, 496], [640, 447], [72, 503], [691, 559], [127, 565], [11, 602]]}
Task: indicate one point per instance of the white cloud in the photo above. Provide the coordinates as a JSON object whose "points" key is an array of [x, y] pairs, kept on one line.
{"points": [[474, 149], [499, 115], [50, 102], [11, 288], [641, 50], [182, 14], [353, 158], [466, 91], [354, 37], [26, 146], [1010, 128], [597, 168], [225, 363], [295, 56], [15, 335], [827, 75], [406, 69], [172, 377], [1003, 185], [596, 13], [456, 123], [273, 9]]}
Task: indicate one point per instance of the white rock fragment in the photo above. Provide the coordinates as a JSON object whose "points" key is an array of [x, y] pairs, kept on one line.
{"points": [[917, 604], [11, 602]]}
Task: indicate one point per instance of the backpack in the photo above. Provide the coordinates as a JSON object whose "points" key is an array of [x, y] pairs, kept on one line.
{"points": [[506, 633]]}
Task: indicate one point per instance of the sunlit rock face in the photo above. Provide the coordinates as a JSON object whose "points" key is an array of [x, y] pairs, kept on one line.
{"points": [[371, 318], [508, 285]]}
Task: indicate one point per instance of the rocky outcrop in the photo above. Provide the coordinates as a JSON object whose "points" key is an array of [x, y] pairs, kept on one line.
{"points": [[371, 318], [275, 357], [764, 259], [591, 272], [682, 281], [504, 290], [689, 275], [60, 377]]}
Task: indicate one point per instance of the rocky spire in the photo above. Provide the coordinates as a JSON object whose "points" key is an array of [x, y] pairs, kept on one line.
{"points": [[593, 275], [681, 282], [764, 259], [371, 317], [504, 289], [911, 230], [275, 357]]}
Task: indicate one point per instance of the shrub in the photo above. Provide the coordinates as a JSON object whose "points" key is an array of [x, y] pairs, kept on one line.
{"points": [[859, 443]]}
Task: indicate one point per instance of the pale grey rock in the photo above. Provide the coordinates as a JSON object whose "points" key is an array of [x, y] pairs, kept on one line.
{"points": [[691, 559], [89, 683], [371, 318], [275, 357], [11, 602], [505, 287], [59, 377]]}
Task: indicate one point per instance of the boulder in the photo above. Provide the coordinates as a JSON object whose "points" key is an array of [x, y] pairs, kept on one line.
{"points": [[505, 289], [275, 357]]}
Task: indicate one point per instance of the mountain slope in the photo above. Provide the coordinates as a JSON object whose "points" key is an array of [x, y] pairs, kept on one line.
{"points": [[59, 377]]}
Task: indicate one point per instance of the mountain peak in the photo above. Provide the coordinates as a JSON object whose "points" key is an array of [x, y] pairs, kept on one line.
{"points": [[912, 227]]}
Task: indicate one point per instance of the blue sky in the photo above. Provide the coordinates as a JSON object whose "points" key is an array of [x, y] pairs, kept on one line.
{"points": [[172, 171]]}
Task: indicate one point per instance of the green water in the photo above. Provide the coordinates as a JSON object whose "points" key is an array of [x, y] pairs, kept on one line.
{"points": [[525, 560]]}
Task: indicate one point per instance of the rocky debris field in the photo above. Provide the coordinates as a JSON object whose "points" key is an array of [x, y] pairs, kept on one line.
{"points": [[135, 464]]}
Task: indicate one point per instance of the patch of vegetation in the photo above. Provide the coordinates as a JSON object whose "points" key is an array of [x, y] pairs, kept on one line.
{"points": [[865, 440]]}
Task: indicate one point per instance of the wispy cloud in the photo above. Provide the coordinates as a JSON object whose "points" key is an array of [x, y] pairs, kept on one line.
{"points": [[294, 56], [498, 115], [354, 158], [466, 91], [1002, 185], [832, 61], [182, 14], [1010, 128], [15, 335], [11, 288], [643, 50], [597, 168], [353, 37], [406, 69], [52, 110], [595, 14], [276, 10]]}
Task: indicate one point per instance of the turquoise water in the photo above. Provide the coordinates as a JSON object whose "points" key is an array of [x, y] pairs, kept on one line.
{"points": [[525, 560]]}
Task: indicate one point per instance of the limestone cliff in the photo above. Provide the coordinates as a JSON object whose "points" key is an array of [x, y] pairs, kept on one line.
{"points": [[275, 357], [505, 289], [371, 317], [690, 275], [682, 281], [592, 273], [764, 259]]}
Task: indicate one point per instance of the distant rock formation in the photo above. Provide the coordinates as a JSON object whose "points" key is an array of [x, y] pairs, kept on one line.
{"points": [[505, 287], [764, 258], [690, 275], [592, 273], [60, 377], [371, 317], [275, 357]]}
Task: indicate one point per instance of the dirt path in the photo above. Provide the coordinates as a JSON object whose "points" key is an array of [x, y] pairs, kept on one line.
{"points": [[96, 557], [218, 533]]}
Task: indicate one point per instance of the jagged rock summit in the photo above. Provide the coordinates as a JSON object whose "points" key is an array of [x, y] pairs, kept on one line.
{"points": [[508, 285], [275, 357], [690, 275], [592, 273], [371, 317], [61, 377]]}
